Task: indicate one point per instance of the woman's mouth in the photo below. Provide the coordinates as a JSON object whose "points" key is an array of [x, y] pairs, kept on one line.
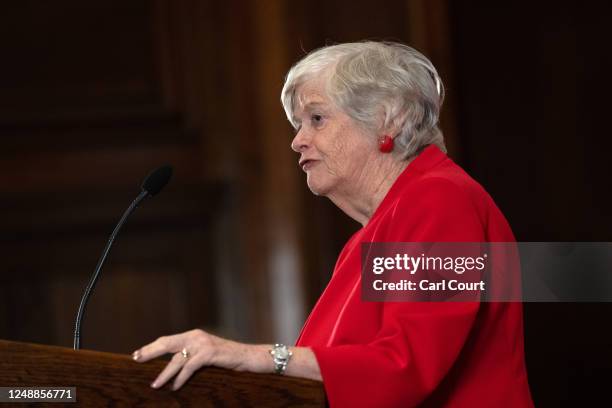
{"points": [[307, 164]]}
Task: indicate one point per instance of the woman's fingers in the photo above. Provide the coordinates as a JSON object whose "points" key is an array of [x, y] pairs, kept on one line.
{"points": [[191, 366], [192, 350], [161, 346], [174, 366]]}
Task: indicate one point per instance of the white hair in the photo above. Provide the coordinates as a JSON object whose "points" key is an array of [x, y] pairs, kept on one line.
{"points": [[382, 85]]}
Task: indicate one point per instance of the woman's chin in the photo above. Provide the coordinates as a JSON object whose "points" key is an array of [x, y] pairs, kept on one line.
{"points": [[317, 189], [314, 190]]}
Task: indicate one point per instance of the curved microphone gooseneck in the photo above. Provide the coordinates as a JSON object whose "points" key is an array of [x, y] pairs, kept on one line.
{"points": [[152, 185]]}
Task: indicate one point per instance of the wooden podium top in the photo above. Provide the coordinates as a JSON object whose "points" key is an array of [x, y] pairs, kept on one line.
{"points": [[114, 379]]}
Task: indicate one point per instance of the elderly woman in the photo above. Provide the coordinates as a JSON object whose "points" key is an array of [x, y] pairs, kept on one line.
{"points": [[366, 116]]}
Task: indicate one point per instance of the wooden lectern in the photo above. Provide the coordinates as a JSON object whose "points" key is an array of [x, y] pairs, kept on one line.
{"points": [[107, 379]]}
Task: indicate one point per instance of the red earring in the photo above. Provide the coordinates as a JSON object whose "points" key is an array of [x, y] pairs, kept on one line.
{"points": [[385, 144]]}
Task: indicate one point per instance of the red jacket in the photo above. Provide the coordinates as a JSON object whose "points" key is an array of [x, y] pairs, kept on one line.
{"points": [[406, 354]]}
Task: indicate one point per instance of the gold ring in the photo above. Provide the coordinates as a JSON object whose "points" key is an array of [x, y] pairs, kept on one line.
{"points": [[184, 353]]}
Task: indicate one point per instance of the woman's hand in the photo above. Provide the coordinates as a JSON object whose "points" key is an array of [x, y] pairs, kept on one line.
{"points": [[192, 350], [196, 349]]}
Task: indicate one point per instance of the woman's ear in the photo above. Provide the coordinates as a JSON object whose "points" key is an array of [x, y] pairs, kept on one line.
{"points": [[395, 126]]}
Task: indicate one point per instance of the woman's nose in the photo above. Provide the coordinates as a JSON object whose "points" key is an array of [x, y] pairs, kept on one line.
{"points": [[299, 142]]}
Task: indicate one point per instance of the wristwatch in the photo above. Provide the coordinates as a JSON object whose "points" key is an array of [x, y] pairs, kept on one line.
{"points": [[280, 356]]}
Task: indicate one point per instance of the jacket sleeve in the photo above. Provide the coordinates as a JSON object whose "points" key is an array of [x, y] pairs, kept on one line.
{"points": [[417, 342]]}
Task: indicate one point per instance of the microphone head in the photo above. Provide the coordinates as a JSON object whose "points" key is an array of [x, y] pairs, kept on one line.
{"points": [[157, 180]]}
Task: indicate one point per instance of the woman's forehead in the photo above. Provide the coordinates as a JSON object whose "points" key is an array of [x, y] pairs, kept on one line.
{"points": [[311, 93]]}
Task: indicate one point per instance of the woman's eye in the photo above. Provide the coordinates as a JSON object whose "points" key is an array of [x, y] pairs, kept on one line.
{"points": [[317, 119]]}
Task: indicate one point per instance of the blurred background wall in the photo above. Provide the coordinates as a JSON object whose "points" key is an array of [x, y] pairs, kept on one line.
{"points": [[95, 94]]}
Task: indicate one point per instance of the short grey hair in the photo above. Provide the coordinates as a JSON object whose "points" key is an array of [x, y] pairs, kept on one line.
{"points": [[371, 81]]}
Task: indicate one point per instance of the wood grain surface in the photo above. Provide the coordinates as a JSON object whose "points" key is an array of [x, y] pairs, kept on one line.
{"points": [[106, 379]]}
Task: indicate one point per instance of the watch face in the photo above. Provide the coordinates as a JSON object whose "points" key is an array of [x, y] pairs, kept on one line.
{"points": [[282, 353]]}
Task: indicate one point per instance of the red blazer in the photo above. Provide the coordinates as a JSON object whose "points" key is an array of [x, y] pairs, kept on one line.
{"points": [[406, 354]]}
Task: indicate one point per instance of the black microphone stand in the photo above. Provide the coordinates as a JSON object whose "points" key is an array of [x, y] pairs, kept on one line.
{"points": [[92, 282]]}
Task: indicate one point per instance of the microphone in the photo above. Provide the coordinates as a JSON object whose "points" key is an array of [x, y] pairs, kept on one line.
{"points": [[153, 184]]}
